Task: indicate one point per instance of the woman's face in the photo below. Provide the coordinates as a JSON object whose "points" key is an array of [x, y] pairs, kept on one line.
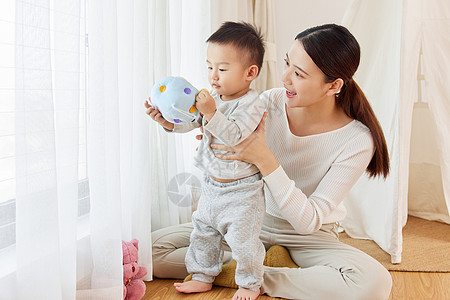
{"points": [[302, 79]]}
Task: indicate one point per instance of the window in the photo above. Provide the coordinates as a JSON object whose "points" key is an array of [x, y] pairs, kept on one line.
{"points": [[7, 119]]}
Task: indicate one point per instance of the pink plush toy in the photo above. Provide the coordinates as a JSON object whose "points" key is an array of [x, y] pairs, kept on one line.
{"points": [[133, 289]]}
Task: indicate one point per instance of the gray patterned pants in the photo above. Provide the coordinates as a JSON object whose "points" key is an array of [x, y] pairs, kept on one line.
{"points": [[232, 211]]}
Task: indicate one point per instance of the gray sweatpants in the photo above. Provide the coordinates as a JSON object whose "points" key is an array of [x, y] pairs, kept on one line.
{"points": [[329, 269], [233, 212]]}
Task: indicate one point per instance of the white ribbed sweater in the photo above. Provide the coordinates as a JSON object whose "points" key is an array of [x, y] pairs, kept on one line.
{"points": [[316, 172]]}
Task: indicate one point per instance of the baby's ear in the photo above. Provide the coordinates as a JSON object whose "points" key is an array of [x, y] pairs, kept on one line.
{"points": [[252, 72]]}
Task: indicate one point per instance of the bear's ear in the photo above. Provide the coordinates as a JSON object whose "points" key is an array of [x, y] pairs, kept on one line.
{"points": [[135, 243]]}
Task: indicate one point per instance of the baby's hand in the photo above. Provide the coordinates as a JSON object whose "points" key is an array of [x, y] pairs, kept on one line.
{"points": [[205, 104], [157, 116]]}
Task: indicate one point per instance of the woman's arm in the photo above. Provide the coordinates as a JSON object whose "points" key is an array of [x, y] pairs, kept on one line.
{"points": [[306, 214]]}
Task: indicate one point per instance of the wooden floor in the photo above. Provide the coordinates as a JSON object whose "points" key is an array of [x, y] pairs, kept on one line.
{"points": [[406, 285]]}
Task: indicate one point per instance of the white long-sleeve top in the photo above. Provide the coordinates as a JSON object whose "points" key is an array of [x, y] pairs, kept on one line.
{"points": [[233, 121], [316, 172]]}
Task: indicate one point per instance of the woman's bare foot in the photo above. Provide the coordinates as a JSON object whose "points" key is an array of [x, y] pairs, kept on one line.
{"points": [[245, 294], [192, 286]]}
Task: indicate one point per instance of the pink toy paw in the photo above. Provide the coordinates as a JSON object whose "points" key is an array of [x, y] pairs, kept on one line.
{"points": [[135, 290]]}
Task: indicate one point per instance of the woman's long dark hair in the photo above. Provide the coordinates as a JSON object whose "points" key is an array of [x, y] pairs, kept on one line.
{"points": [[336, 52]]}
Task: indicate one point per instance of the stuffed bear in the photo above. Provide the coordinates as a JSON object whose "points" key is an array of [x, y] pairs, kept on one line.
{"points": [[133, 289], [174, 97]]}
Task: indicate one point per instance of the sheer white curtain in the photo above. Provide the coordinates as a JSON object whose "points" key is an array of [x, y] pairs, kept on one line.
{"points": [[118, 156], [260, 13], [232, 10], [264, 18], [46, 110], [59, 253], [178, 31]]}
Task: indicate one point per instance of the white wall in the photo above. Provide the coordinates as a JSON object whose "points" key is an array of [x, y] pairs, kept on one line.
{"points": [[294, 16]]}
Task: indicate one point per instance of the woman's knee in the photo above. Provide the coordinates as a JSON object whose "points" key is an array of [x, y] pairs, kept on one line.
{"points": [[169, 246], [169, 238], [377, 284]]}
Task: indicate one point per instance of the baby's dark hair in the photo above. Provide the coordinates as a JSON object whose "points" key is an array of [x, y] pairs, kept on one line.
{"points": [[243, 36]]}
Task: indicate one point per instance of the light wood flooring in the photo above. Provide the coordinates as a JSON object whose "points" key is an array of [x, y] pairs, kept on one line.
{"points": [[406, 286]]}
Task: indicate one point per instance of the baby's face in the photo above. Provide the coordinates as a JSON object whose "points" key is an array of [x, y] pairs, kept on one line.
{"points": [[227, 73]]}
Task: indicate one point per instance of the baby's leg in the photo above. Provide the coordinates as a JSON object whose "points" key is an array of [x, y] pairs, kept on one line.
{"points": [[249, 255], [203, 258], [248, 251]]}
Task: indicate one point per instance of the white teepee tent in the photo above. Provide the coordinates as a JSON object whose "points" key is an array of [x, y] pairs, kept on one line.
{"points": [[429, 163], [391, 34]]}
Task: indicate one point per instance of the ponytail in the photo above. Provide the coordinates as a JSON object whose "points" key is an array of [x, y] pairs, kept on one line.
{"points": [[354, 103], [336, 52]]}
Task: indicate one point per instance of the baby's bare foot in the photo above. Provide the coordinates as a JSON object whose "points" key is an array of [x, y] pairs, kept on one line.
{"points": [[245, 294], [192, 286]]}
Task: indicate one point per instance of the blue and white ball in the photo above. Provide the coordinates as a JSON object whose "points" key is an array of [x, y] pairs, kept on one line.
{"points": [[174, 97]]}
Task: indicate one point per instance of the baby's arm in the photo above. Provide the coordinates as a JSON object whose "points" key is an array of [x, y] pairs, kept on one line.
{"points": [[239, 124], [179, 128], [205, 104], [157, 117]]}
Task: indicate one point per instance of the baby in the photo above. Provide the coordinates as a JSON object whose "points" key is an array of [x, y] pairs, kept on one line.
{"points": [[231, 204]]}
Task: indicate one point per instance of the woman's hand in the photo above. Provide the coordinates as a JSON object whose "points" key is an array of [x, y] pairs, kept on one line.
{"points": [[199, 136], [157, 116], [253, 150]]}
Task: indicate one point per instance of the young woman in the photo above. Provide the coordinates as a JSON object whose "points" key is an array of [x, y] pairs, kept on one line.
{"points": [[318, 138]]}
